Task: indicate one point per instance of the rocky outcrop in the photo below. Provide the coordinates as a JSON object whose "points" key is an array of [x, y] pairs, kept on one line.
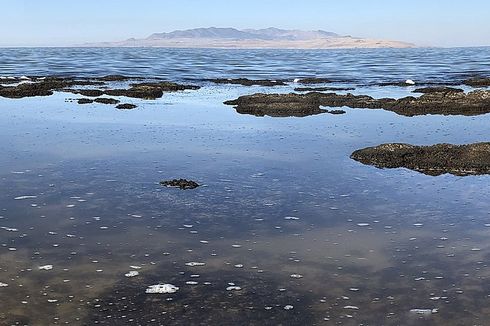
{"points": [[461, 160], [445, 103]]}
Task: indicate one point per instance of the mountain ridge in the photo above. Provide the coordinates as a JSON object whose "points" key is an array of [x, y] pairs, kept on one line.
{"points": [[272, 37]]}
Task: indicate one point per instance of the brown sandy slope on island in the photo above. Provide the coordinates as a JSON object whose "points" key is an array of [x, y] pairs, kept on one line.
{"points": [[446, 103], [461, 160], [324, 43]]}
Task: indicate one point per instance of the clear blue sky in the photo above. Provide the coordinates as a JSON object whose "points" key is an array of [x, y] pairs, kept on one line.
{"points": [[65, 22]]}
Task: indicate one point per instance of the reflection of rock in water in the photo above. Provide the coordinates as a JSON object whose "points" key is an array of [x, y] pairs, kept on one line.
{"points": [[437, 159], [258, 302], [439, 101], [281, 105]]}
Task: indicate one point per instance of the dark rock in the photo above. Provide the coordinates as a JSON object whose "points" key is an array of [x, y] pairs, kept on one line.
{"points": [[38, 86], [85, 101], [477, 82], [461, 160], [144, 92], [86, 82], [248, 82], [126, 106], [440, 89], [10, 80], [87, 92], [112, 78], [42, 88], [149, 90], [278, 105], [180, 183], [322, 89], [314, 80], [450, 103], [167, 86], [105, 100], [336, 111]]}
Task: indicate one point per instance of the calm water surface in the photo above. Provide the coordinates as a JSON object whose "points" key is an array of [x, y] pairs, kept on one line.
{"points": [[309, 236]]}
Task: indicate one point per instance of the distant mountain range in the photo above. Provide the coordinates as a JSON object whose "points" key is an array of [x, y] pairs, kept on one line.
{"points": [[214, 37]]}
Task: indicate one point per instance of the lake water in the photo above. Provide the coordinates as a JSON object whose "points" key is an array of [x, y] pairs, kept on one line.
{"points": [[309, 236]]}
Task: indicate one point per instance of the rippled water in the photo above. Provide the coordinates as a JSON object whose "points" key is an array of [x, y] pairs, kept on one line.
{"points": [[308, 235], [361, 65]]}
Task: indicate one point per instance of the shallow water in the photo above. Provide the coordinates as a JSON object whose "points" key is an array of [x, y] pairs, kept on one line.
{"points": [[365, 245]]}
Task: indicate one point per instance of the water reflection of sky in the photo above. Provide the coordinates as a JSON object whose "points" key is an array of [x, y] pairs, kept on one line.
{"points": [[359, 227]]}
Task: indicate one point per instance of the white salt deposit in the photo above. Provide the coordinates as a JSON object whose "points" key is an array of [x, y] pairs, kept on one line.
{"points": [[9, 229], [351, 307], [194, 264], [132, 274], [46, 267], [233, 288], [24, 197], [162, 288], [423, 312]]}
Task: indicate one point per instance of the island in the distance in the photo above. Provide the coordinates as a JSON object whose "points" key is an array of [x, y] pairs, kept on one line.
{"points": [[268, 38]]}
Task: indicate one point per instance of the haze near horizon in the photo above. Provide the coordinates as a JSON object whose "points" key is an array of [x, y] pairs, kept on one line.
{"points": [[54, 23]]}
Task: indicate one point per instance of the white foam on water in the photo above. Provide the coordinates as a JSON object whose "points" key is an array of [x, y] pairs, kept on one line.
{"points": [[25, 197], [162, 288]]}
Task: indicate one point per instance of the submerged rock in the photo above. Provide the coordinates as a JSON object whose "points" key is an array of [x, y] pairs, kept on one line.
{"points": [[447, 103], [248, 82], [86, 92], [322, 89], [280, 105], [105, 100], [478, 82], [126, 106], [312, 80], [167, 86], [113, 78], [461, 160], [180, 183], [440, 89], [85, 101]]}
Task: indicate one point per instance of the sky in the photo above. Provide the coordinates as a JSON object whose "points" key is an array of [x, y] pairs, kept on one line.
{"points": [[444, 23]]}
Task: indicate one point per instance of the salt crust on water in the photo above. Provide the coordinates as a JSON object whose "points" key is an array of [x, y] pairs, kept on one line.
{"points": [[25, 197], [423, 312], [46, 267], [162, 288], [132, 274]]}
